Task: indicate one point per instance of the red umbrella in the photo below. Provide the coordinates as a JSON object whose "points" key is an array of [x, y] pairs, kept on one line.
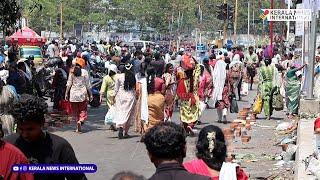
{"points": [[26, 36]]}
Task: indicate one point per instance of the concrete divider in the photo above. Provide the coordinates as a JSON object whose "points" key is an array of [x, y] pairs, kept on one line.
{"points": [[306, 146]]}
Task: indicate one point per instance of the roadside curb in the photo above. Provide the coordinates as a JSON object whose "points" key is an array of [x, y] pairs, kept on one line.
{"points": [[306, 146]]}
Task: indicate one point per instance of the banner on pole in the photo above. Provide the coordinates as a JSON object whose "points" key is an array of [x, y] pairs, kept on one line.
{"points": [[299, 24], [286, 14]]}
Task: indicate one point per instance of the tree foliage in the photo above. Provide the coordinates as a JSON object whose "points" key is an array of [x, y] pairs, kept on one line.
{"points": [[172, 17], [9, 14]]}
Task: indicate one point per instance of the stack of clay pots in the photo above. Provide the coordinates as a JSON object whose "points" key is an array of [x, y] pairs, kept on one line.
{"points": [[246, 114], [238, 130]]}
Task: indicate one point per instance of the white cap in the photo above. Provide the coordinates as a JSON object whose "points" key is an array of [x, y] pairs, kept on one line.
{"points": [[113, 68], [181, 49], [4, 74]]}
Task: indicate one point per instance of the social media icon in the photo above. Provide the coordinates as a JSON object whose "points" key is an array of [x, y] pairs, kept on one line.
{"points": [[15, 168]]}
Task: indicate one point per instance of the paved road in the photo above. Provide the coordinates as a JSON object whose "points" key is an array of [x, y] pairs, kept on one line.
{"points": [[102, 147]]}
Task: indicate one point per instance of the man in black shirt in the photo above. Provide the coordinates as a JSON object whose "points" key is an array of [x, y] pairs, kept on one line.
{"points": [[158, 64], [166, 145], [38, 146]]}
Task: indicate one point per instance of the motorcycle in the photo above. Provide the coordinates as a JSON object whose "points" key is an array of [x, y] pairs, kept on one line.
{"points": [[95, 90]]}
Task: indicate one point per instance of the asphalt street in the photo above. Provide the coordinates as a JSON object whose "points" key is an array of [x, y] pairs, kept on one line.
{"points": [[100, 146]]}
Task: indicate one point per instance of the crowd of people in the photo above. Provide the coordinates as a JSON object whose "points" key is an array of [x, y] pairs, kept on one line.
{"points": [[142, 87]]}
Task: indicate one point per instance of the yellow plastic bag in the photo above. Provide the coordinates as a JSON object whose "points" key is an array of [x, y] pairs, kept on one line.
{"points": [[257, 106]]}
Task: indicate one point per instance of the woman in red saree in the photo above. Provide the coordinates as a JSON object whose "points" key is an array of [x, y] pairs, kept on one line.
{"points": [[187, 92], [211, 154]]}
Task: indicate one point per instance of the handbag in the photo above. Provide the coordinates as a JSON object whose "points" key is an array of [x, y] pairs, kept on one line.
{"points": [[257, 106], [233, 105], [244, 89], [65, 106], [109, 118], [277, 100]]}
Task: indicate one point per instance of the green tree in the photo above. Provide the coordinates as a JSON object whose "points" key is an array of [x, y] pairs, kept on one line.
{"points": [[9, 14]]}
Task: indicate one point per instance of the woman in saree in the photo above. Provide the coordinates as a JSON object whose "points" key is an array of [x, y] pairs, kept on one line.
{"points": [[317, 77], [207, 77], [8, 95], [187, 91], [211, 153], [156, 99], [268, 79], [293, 88], [221, 90], [142, 113], [125, 100], [236, 70], [108, 88], [170, 89]]}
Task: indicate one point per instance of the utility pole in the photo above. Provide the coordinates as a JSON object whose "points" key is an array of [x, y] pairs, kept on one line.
{"points": [[271, 34], [61, 21], [288, 23], [225, 26], [248, 19], [310, 67], [50, 28], [235, 21]]}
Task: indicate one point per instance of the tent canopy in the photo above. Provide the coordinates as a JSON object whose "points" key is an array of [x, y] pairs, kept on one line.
{"points": [[26, 36]]}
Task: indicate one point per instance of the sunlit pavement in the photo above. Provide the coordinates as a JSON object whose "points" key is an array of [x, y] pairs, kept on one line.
{"points": [[100, 146]]}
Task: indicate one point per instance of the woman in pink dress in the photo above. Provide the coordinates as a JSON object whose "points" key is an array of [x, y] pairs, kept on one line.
{"points": [[78, 92], [211, 154]]}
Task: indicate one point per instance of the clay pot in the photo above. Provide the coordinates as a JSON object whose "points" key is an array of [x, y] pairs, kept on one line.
{"points": [[245, 138], [248, 126], [317, 131], [227, 132], [238, 131], [243, 113], [242, 117], [233, 125], [230, 158], [246, 109], [284, 147], [229, 137]]}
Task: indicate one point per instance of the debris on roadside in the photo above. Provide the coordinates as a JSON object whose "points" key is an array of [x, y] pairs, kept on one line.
{"points": [[246, 157], [312, 165]]}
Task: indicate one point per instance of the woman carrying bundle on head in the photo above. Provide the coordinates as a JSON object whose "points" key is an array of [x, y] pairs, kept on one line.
{"points": [[187, 91]]}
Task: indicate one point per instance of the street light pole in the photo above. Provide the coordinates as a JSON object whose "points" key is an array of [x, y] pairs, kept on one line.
{"points": [[288, 23], [310, 67], [61, 21], [248, 19], [224, 27], [271, 34], [235, 21]]}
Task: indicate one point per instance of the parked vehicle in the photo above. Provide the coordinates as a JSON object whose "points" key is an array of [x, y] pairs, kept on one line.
{"points": [[26, 51], [142, 44]]}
